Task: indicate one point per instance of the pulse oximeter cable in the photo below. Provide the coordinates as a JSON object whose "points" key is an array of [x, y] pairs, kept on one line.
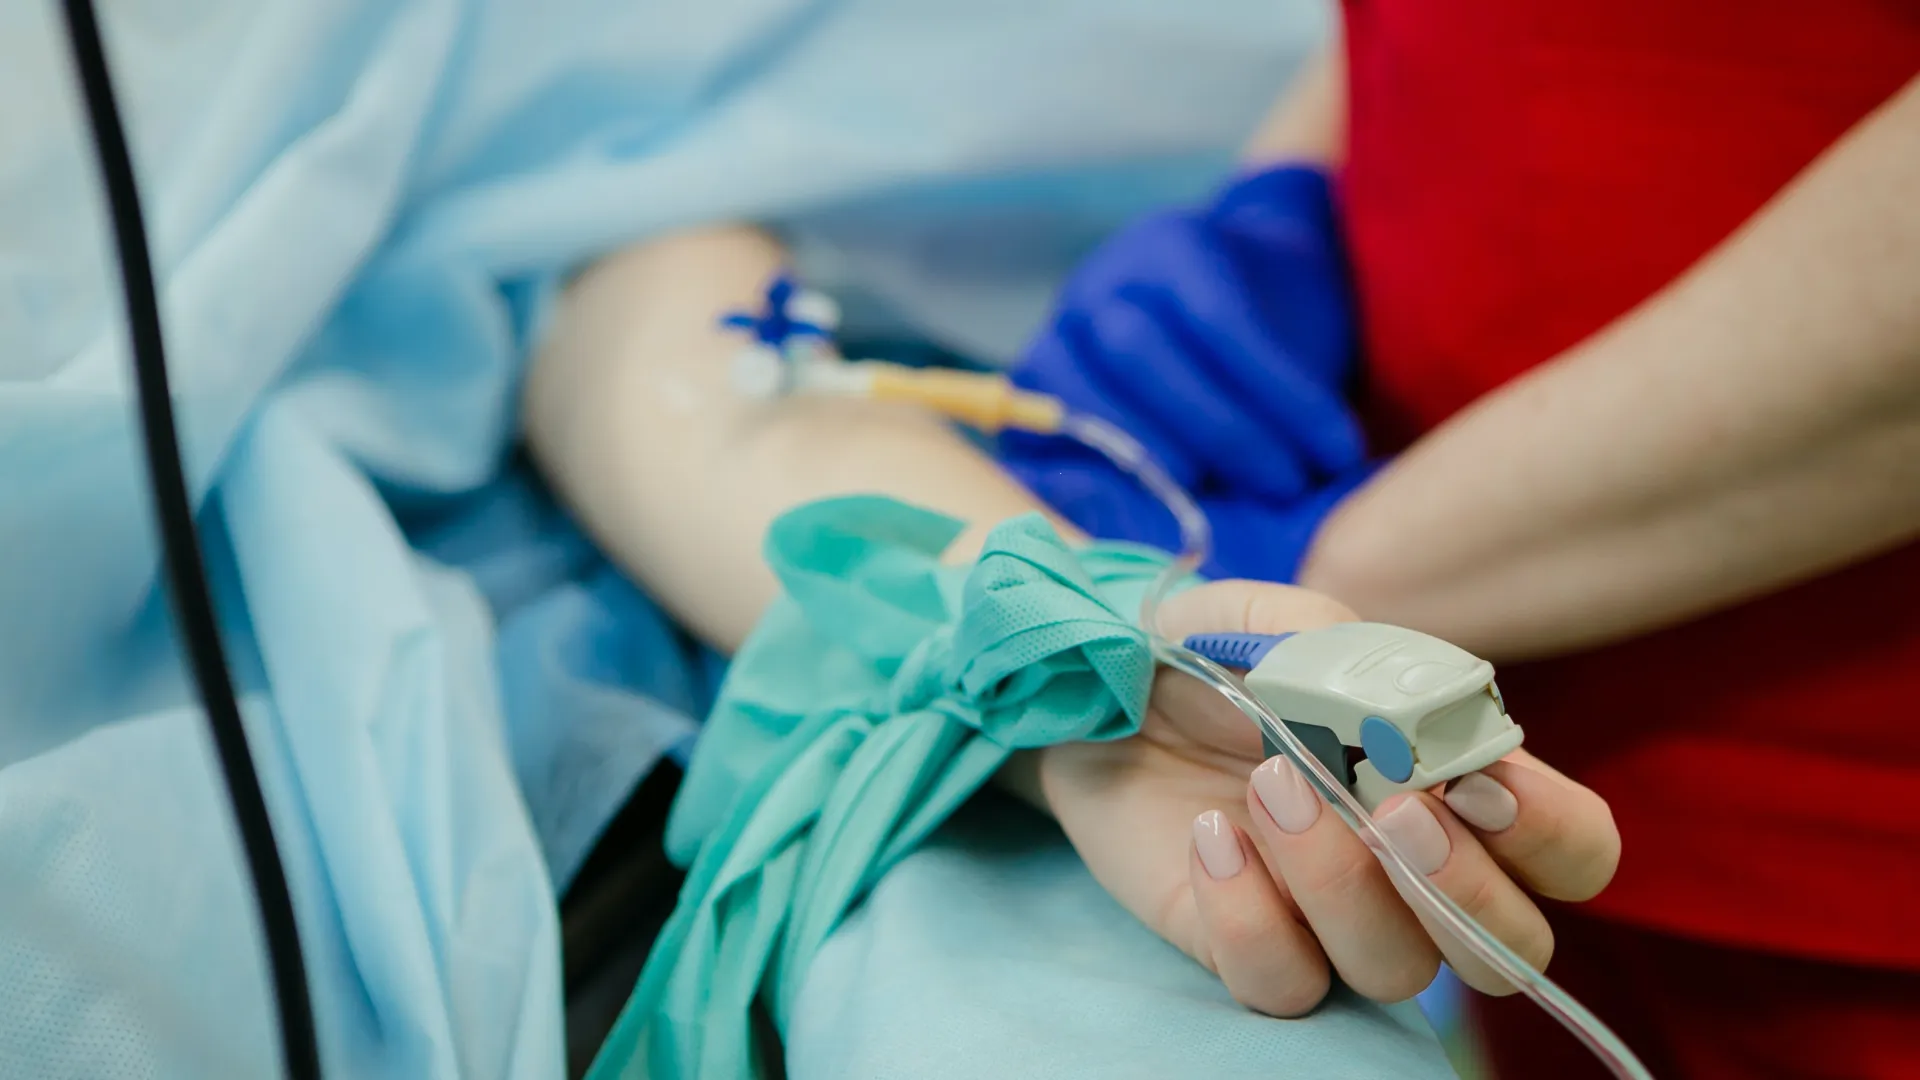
{"points": [[1196, 537], [180, 544], [1196, 540]]}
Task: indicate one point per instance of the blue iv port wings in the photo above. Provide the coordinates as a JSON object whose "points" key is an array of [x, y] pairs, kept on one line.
{"points": [[775, 324]]}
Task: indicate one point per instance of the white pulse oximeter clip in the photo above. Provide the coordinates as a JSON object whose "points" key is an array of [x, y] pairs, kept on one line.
{"points": [[1422, 711]]}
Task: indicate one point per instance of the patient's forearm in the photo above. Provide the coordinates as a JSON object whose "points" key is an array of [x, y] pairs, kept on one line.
{"points": [[1756, 424], [629, 412], [630, 415]]}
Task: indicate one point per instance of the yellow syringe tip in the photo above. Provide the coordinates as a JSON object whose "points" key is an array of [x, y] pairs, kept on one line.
{"points": [[987, 402]]}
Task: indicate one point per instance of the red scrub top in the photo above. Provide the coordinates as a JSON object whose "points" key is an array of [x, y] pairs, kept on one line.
{"points": [[1519, 174]]}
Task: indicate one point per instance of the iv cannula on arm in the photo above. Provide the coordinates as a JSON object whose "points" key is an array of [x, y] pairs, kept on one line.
{"points": [[792, 354]]}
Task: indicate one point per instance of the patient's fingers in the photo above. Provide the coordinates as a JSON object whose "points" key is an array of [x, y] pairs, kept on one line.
{"points": [[1259, 607], [1443, 848], [1253, 940], [1372, 940], [1553, 834]]}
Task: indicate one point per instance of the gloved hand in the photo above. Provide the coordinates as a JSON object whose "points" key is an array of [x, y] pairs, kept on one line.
{"points": [[1264, 540], [1220, 337]]}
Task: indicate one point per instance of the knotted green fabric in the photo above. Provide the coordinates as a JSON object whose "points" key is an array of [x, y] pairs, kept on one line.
{"points": [[879, 693]]}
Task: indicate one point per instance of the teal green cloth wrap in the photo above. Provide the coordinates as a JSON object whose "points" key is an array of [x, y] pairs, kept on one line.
{"points": [[879, 693]]}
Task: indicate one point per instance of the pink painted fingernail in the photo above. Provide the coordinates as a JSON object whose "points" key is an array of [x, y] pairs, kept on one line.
{"points": [[1284, 792], [1219, 848], [1417, 833], [1483, 802]]}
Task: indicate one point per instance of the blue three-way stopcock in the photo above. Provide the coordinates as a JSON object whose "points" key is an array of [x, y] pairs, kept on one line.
{"points": [[777, 323], [1422, 711]]}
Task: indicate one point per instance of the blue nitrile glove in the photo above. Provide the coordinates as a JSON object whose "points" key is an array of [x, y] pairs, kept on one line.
{"points": [[1221, 338], [1253, 537], [1267, 541]]}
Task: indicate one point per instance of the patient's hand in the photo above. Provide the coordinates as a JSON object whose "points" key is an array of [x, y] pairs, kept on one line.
{"points": [[1264, 884]]}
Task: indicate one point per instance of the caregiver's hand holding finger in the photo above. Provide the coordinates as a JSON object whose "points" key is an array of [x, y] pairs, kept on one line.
{"points": [[1264, 884]]}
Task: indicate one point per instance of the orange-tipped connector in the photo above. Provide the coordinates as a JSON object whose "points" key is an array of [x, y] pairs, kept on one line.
{"points": [[980, 400]]}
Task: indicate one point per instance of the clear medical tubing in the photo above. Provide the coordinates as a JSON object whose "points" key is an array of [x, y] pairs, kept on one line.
{"points": [[1195, 541]]}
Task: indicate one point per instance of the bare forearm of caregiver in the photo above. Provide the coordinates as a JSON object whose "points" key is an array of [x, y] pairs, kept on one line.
{"points": [[630, 416], [1308, 122], [1754, 425]]}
